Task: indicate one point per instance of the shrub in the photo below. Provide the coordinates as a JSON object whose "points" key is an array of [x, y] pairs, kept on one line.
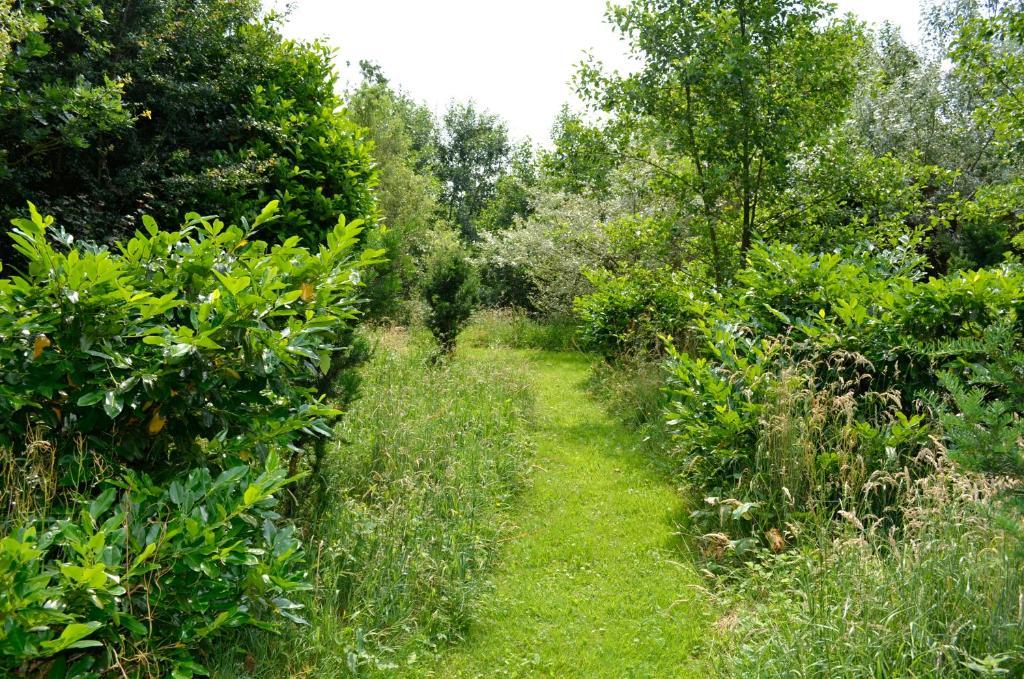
{"points": [[159, 386], [540, 264], [110, 114], [144, 575], [450, 290], [629, 314], [807, 392], [981, 400], [183, 347]]}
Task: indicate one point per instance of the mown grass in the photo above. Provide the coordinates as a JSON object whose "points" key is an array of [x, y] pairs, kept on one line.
{"points": [[594, 583], [419, 482]]}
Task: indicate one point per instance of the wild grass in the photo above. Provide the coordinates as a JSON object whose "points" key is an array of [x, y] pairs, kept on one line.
{"points": [[28, 482], [427, 461], [925, 583], [864, 571], [514, 329], [944, 600]]}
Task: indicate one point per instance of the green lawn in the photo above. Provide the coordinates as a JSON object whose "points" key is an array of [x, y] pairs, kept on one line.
{"points": [[590, 583]]}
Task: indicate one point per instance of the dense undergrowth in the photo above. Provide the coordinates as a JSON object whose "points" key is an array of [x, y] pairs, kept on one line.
{"points": [[420, 476], [854, 431], [159, 400]]}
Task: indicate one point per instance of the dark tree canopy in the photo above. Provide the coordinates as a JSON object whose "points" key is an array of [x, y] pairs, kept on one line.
{"points": [[154, 106]]}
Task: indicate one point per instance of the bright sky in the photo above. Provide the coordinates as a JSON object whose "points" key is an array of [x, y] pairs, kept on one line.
{"points": [[513, 58]]}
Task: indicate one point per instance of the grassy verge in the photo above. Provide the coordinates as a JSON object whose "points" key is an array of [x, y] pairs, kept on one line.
{"points": [[424, 467], [941, 594], [593, 583]]}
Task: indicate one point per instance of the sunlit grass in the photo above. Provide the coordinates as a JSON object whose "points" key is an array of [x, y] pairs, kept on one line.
{"points": [[425, 466], [593, 583]]}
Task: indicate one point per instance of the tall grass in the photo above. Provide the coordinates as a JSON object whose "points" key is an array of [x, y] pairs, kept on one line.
{"points": [[865, 571], [926, 583], [427, 461], [945, 600], [514, 329]]}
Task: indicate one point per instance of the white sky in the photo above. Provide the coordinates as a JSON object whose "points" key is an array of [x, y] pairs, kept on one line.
{"points": [[513, 58]]}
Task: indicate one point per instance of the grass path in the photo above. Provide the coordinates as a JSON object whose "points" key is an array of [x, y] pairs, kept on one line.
{"points": [[590, 584]]}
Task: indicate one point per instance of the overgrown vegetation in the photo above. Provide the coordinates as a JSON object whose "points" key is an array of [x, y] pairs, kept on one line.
{"points": [[842, 396], [420, 476], [156, 403], [793, 245]]}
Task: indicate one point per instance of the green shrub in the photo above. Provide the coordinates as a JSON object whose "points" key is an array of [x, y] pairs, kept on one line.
{"points": [[146, 575], [451, 291], [629, 314], [807, 392], [183, 347], [981, 400], [158, 387], [109, 114]]}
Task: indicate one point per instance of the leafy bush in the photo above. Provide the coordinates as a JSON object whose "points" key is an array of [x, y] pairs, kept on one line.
{"points": [[806, 394], [540, 264], [981, 401], [110, 114], [185, 346], [158, 387], [451, 291], [145, 575], [630, 314]]}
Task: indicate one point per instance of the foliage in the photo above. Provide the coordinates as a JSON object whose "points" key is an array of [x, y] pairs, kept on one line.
{"points": [[421, 477], [115, 110], [801, 393], [451, 291], [511, 201], [318, 163], [15, 26], [158, 387], [629, 314], [183, 346], [991, 50], [404, 150], [540, 265], [473, 152], [984, 400], [581, 160], [143, 576], [730, 90]]}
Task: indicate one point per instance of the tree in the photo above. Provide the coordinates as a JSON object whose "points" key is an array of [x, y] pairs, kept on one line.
{"points": [[473, 153], [15, 25], [991, 50], [511, 199], [403, 133], [450, 290], [115, 109], [729, 90], [581, 160]]}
